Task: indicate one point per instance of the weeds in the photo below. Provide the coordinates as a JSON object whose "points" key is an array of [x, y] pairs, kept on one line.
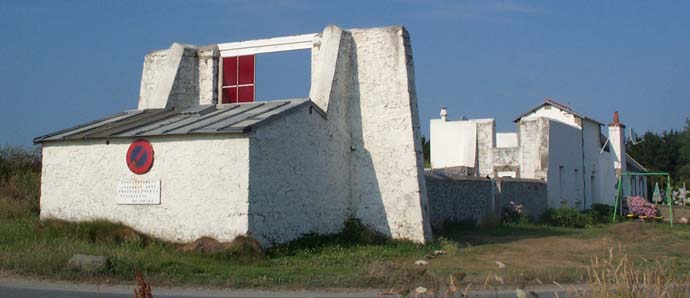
{"points": [[616, 275]]}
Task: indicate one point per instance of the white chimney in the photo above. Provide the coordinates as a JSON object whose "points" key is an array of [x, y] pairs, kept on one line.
{"points": [[617, 143], [444, 113]]}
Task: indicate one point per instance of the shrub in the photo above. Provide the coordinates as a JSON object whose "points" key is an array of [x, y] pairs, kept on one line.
{"points": [[566, 217], [600, 213], [19, 182], [512, 213]]}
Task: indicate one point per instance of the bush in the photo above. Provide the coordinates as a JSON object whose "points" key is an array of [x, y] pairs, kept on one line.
{"points": [[567, 217], [600, 213], [512, 213], [20, 181]]}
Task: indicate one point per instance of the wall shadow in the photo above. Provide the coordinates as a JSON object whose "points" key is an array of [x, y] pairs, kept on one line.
{"points": [[367, 201]]}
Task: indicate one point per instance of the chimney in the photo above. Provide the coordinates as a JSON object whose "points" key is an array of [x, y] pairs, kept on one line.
{"points": [[444, 114], [617, 143]]}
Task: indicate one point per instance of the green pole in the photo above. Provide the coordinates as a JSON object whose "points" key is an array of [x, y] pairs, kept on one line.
{"points": [[670, 199], [618, 191]]}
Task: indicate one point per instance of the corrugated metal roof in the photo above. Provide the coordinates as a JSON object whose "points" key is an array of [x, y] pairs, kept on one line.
{"points": [[205, 119]]}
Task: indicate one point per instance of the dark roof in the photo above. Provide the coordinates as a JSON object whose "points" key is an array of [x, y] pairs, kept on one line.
{"points": [[205, 119], [551, 102]]}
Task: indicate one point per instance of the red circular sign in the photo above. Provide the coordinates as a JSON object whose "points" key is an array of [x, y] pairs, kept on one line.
{"points": [[140, 157]]}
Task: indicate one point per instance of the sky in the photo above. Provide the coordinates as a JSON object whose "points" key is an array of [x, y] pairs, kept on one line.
{"points": [[63, 63]]}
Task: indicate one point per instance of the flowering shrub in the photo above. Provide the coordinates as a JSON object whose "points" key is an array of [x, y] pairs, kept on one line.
{"points": [[639, 206], [512, 212]]}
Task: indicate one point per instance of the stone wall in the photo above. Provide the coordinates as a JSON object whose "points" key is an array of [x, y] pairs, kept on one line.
{"points": [[457, 199], [531, 193]]}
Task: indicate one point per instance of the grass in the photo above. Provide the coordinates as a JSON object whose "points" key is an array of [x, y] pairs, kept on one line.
{"points": [[530, 254]]}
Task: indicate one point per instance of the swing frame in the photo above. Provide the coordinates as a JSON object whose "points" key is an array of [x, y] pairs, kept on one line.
{"points": [[619, 193]]}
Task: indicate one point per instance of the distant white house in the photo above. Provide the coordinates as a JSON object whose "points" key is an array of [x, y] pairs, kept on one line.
{"points": [[201, 157], [553, 143]]}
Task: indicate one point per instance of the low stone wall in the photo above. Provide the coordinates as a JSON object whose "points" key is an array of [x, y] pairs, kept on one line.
{"points": [[471, 198], [458, 199], [530, 193]]}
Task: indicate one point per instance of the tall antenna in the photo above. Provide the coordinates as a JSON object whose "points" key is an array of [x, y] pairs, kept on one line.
{"points": [[633, 138]]}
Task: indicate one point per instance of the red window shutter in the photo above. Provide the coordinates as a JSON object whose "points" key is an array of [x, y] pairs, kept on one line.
{"points": [[246, 70], [238, 79], [245, 94], [230, 71], [229, 95]]}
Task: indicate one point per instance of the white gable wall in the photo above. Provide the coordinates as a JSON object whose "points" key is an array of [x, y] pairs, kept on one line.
{"points": [[554, 113], [204, 185]]}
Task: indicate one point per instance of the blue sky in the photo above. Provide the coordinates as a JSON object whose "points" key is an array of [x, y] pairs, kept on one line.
{"points": [[66, 62]]}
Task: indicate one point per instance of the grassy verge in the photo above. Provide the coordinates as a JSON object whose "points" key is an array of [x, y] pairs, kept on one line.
{"points": [[530, 253]]}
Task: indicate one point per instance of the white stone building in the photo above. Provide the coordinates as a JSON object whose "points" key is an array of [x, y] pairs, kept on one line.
{"points": [[214, 162], [553, 143]]}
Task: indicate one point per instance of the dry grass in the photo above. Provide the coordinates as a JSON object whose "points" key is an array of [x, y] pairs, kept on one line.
{"points": [[617, 275]]}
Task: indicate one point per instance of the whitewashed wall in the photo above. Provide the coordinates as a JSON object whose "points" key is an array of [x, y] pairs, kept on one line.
{"points": [[506, 140], [454, 143], [387, 164], [364, 80], [565, 150], [554, 113], [534, 148], [591, 147], [296, 184], [204, 185]]}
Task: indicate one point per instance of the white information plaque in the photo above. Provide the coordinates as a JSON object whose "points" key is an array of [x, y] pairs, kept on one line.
{"points": [[139, 192]]}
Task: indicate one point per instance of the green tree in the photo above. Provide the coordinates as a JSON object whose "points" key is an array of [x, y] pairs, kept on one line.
{"points": [[667, 152], [684, 167], [426, 147]]}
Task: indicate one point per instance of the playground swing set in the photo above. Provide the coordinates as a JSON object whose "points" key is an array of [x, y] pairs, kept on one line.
{"points": [[618, 208]]}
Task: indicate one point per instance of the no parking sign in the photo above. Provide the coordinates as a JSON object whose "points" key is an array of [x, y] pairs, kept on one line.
{"points": [[140, 157]]}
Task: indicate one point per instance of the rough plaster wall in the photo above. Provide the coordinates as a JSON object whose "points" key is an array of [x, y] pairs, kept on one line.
{"points": [[295, 185], [565, 149], [486, 142], [185, 88], [387, 165], [208, 75], [534, 146], [170, 78], [201, 194], [506, 159], [458, 199], [331, 90]]}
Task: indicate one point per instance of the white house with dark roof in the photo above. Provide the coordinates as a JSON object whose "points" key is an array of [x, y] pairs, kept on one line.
{"points": [[201, 157], [552, 143]]}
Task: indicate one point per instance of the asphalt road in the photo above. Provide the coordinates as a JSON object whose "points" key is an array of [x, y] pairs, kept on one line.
{"points": [[16, 288]]}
